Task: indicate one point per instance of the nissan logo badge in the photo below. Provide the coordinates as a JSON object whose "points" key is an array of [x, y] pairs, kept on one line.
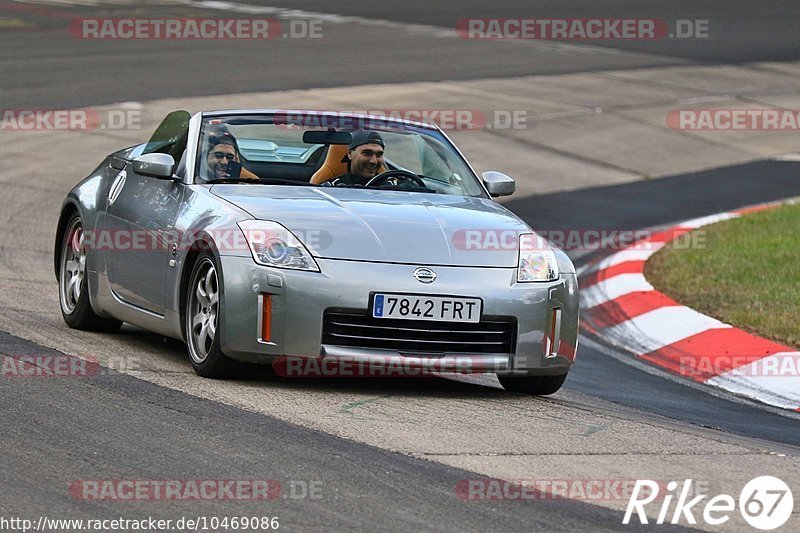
{"points": [[425, 275]]}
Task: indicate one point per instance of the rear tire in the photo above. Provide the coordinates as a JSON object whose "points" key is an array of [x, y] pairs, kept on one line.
{"points": [[535, 385], [73, 284], [201, 319]]}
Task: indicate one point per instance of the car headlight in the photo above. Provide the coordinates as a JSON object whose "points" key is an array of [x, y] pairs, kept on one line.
{"points": [[537, 261], [273, 245]]}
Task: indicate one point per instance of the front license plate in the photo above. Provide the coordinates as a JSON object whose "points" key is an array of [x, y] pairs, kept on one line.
{"points": [[440, 308]]}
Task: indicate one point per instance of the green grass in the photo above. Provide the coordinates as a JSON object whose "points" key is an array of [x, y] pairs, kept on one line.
{"points": [[744, 271]]}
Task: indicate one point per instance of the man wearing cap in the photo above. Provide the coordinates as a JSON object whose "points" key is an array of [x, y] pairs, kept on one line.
{"points": [[364, 158], [223, 158]]}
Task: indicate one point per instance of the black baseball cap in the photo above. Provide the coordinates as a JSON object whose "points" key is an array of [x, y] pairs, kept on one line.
{"points": [[360, 137], [222, 137]]}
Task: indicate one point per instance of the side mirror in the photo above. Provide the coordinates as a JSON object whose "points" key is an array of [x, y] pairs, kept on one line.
{"points": [[155, 165], [498, 184]]}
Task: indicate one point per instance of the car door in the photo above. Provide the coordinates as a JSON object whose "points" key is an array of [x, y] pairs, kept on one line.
{"points": [[139, 223]]}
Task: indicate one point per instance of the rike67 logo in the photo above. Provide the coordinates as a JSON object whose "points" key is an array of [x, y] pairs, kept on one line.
{"points": [[765, 503]]}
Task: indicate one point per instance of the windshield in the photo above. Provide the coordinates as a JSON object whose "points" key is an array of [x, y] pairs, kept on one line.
{"points": [[291, 150]]}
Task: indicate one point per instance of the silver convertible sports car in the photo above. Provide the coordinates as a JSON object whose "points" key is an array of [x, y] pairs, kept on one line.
{"points": [[269, 236]]}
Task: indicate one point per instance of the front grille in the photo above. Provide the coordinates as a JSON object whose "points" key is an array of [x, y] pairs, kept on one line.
{"points": [[358, 329]]}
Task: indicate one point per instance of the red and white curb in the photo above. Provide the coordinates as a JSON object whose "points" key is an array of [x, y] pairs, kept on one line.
{"points": [[619, 305]]}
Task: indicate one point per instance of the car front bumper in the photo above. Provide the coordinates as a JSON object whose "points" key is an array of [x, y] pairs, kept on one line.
{"points": [[299, 299]]}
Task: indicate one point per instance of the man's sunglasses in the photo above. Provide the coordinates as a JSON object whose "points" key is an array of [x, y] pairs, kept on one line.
{"points": [[220, 155]]}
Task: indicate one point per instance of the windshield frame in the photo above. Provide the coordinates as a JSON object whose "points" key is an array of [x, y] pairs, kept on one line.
{"points": [[194, 148]]}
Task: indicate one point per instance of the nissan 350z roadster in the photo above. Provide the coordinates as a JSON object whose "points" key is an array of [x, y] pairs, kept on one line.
{"points": [[265, 235]]}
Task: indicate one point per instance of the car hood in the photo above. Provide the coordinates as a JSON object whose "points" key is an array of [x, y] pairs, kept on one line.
{"points": [[388, 226]]}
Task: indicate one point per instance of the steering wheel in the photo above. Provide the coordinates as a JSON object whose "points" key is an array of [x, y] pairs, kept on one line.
{"points": [[380, 179]]}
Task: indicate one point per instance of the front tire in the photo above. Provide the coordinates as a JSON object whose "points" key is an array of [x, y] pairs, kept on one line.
{"points": [[73, 285], [202, 319], [535, 385]]}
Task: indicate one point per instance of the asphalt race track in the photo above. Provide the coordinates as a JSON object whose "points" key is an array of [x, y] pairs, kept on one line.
{"points": [[361, 486], [386, 455], [42, 56]]}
